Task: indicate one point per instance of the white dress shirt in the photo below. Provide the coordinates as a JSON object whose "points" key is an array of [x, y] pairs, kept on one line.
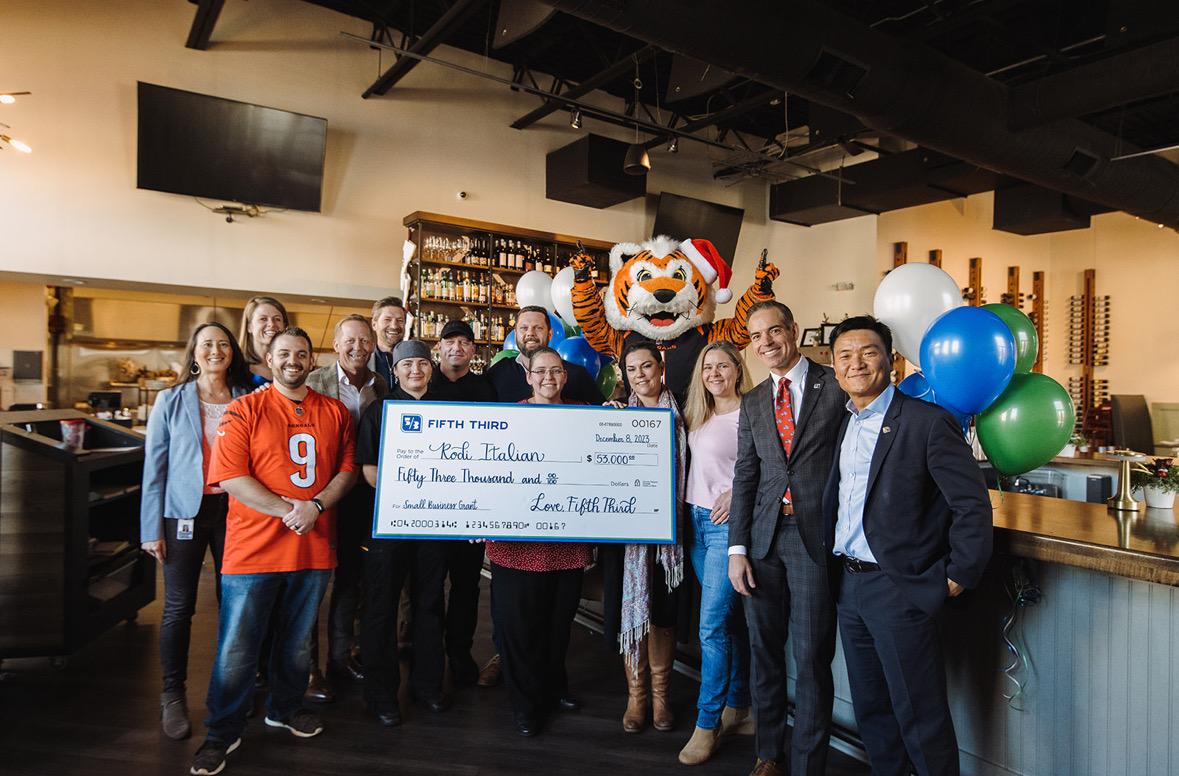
{"points": [[797, 377], [356, 399]]}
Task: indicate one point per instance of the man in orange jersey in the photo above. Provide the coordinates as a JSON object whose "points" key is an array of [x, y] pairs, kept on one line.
{"points": [[285, 456]]}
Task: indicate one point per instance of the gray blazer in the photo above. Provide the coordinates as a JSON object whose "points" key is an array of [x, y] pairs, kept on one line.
{"points": [[173, 478], [762, 472], [326, 380]]}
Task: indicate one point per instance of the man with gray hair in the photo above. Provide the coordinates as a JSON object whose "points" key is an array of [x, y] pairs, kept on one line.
{"points": [[351, 381]]}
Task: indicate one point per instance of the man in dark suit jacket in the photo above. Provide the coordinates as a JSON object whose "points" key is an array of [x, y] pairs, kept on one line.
{"points": [[908, 518], [777, 558]]}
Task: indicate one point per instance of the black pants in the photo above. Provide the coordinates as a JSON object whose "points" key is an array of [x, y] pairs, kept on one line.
{"points": [[533, 613], [792, 598], [465, 567], [897, 677], [387, 564], [182, 574], [354, 518]]}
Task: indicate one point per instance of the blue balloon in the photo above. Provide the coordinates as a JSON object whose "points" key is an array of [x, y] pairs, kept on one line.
{"points": [[576, 350], [968, 356], [918, 387], [510, 341], [557, 327]]}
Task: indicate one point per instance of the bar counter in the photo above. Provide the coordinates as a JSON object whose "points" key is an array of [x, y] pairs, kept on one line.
{"points": [[1140, 545]]}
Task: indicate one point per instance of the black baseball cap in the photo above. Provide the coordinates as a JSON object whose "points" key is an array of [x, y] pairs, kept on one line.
{"points": [[457, 328]]}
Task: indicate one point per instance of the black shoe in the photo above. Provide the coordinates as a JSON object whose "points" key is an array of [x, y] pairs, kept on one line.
{"points": [[389, 717], [210, 758], [568, 703], [525, 725], [435, 705]]}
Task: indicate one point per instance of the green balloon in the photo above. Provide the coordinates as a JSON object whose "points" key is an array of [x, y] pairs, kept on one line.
{"points": [[607, 380], [1028, 425], [503, 354], [1027, 343]]}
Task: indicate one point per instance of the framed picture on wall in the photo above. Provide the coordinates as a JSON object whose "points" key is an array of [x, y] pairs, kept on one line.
{"points": [[811, 337], [825, 338]]}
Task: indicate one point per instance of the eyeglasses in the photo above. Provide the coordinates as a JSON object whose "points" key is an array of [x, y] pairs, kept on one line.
{"points": [[555, 371]]}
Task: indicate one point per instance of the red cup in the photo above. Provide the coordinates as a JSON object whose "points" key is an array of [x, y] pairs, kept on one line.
{"points": [[73, 434]]}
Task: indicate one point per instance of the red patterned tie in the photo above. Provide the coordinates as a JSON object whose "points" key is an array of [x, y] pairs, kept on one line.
{"points": [[784, 415]]}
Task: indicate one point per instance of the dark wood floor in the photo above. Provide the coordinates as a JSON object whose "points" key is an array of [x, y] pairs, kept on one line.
{"points": [[99, 714]]}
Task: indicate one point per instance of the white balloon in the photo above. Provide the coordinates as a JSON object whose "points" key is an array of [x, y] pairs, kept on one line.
{"points": [[909, 299], [562, 293], [533, 289]]}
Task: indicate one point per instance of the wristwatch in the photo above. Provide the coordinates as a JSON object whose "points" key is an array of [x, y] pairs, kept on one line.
{"points": [[318, 505]]}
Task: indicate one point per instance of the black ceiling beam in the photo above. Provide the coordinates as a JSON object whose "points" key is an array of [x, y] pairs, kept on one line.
{"points": [[733, 111], [447, 24], [203, 23], [585, 87], [897, 87], [1150, 71]]}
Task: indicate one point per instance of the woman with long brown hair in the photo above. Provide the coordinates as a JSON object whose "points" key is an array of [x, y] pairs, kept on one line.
{"points": [[640, 582], [180, 516]]}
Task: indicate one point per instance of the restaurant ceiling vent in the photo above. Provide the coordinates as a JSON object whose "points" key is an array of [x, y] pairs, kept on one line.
{"points": [[908, 179], [1028, 209], [589, 172]]}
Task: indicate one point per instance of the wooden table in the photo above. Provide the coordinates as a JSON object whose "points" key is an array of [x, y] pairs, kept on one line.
{"points": [[1138, 545]]}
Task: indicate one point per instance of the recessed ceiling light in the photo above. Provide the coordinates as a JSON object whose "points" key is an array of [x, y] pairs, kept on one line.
{"points": [[74, 281], [317, 300]]}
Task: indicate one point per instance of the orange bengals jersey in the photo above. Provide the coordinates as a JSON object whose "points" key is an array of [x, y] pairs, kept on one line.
{"points": [[293, 449]]}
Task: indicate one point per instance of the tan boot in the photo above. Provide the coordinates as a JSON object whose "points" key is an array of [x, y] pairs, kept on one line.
{"points": [[638, 696], [736, 722], [700, 746], [661, 652]]}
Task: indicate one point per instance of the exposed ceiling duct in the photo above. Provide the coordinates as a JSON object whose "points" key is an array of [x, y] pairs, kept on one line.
{"points": [[895, 86]]}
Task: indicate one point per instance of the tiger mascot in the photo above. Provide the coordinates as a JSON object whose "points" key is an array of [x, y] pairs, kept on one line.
{"points": [[661, 291]]}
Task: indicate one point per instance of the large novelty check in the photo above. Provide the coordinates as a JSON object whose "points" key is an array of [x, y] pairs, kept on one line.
{"points": [[525, 471]]}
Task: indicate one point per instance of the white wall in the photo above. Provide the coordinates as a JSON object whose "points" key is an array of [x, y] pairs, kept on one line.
{"points": [[24, 320]]}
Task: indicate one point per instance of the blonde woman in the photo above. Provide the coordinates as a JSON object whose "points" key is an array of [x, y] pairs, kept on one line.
{"points": [[263, 317], [711, 411]]}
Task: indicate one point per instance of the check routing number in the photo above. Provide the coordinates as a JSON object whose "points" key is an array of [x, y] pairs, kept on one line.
{"points": [[525, 471]]}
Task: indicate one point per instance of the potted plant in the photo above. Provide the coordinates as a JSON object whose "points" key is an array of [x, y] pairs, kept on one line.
{"points": [[1158, 479], [1076, 440]]}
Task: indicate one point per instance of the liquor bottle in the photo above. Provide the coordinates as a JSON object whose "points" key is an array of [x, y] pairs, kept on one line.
{"points": [[501, 258], [529, 260]]}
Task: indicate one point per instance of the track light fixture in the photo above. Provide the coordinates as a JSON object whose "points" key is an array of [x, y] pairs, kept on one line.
{"points": [[575, 118], [674, 146]]}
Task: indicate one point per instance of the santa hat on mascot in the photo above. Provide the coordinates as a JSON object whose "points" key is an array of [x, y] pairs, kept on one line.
{"points": [[705, 257]]}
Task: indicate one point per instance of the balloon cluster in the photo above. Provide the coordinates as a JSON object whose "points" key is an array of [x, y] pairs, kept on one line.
{"points": [[976, 362], [554, 294]]}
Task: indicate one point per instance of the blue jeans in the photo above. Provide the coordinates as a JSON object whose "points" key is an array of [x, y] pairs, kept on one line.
{"points": [[246, 603], [724, 637]]}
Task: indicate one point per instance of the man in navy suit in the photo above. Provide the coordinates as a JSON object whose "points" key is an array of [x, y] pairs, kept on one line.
{"points": [[908, 518]]}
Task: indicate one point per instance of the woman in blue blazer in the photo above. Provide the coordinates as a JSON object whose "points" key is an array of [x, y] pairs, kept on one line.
{"points": [[180, 516]]}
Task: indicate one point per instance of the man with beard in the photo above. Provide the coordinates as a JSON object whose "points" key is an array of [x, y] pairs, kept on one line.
{"points": [[390, 563], [351, 381], [285, 457], [389, 326], [510, 379]]}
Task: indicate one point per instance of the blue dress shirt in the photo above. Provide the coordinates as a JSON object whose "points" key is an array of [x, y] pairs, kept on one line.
{"points": [[855, 461]]}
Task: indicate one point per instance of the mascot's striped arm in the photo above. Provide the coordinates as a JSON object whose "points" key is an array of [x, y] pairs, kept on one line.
{"points": [[591, 317], [733, 330]]}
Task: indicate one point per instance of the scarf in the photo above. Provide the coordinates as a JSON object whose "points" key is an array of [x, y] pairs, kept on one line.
{"points": [[637, 566]]}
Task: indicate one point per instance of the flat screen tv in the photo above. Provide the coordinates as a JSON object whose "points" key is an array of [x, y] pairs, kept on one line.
{"points": [[684, 217], [210, 147]]}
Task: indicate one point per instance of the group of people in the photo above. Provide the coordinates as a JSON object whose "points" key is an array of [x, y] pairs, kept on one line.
{"points": [[822, 495]]}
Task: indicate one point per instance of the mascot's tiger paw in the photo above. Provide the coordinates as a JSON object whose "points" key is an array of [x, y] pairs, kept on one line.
{"points": [[583, 266], [764, 277]]}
